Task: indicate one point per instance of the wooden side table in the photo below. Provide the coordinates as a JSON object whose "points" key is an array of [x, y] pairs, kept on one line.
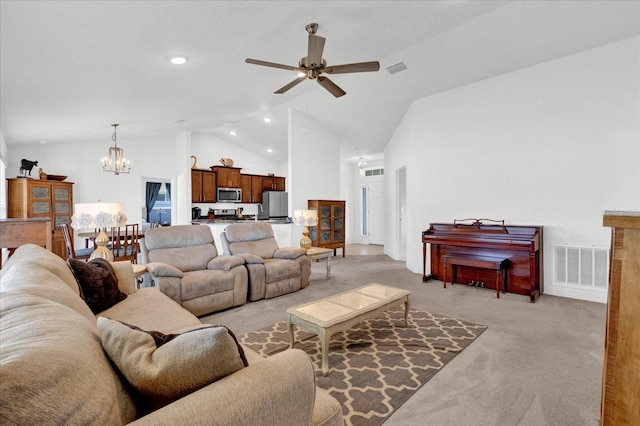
{"points": [[138, 272], [317, 253]]}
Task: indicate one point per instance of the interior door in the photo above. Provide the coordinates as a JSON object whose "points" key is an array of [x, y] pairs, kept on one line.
{"points": [[375, 213], [402, 213]]}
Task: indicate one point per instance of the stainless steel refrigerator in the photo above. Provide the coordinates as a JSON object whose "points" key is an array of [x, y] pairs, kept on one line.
{"points": [[275, 204]]}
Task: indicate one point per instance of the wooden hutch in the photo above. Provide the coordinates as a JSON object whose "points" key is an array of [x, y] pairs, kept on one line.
{"points": [[330, 232], [37, 198]]}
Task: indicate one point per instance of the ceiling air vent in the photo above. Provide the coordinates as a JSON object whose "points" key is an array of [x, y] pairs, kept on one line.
{"points": [[396, 68]]}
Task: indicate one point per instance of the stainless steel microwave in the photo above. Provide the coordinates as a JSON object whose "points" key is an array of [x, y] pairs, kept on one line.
{"points": [[229, 195]]}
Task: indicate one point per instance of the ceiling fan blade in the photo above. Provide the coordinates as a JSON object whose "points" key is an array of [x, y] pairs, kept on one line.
{"points": [[316, 46], [273, 65], [358, 67], [290, 85], [331, 87]]}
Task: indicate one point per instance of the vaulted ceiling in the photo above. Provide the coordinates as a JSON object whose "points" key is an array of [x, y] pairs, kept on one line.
{"points": [[69, 69]]}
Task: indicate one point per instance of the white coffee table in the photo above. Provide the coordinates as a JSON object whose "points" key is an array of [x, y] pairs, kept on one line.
{"points": [[340, 312], [317, 253]]}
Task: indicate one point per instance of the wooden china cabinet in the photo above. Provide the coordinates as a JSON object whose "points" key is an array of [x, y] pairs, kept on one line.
{"points": [[330, 232], [29, 198]]}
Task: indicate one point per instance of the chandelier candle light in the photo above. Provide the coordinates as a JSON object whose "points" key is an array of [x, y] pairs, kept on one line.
{"points": [[305, 218], [99, 216], [116, 163]]}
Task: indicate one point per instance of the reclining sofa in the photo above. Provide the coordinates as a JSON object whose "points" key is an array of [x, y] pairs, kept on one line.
{"points": [[184, 264], [273, 271]]}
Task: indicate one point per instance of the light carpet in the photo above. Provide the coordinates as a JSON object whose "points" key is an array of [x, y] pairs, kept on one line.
{"points": [[377, 365]]}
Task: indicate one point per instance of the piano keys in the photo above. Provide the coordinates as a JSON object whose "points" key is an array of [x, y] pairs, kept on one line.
{"points": [[521, 245]]}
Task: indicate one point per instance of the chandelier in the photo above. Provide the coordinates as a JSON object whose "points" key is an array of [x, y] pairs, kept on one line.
{"points": [[115, 162], [362, 163]]}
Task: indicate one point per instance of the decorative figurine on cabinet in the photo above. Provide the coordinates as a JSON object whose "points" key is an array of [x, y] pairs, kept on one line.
{"points": [[26, 166]]}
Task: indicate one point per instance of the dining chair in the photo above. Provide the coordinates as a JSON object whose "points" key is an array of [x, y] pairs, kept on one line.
{"points": [[124, 242], [80, 254]]}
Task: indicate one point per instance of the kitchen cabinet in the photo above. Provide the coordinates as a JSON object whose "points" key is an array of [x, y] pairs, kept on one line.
{"points": [[27, 198], [251, 188], [203, 186], [227, 177], [330, 232], [273, 183]]}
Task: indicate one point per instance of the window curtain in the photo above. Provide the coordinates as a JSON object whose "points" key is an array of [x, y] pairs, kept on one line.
{"points": [[168, 186], [153, 188]]}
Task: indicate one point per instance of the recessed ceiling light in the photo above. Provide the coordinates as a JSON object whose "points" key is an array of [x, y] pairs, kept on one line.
{"points": [[267, 120], [43, 142], [269, 150], [178, 60], [232, 132]]}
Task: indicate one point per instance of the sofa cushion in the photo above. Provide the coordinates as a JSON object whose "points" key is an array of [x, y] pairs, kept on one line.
{"points": [[186, 259], [178, 236], [27, 277], [203, 283], [159, 269], [45, 259], [225, 262], [162, 367], [280, 269], [256, 238], [149, 308], [98, 282], [54, 370]]}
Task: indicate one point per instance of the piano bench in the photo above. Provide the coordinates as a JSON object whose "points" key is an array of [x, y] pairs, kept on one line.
{"points": [[497, 264]]}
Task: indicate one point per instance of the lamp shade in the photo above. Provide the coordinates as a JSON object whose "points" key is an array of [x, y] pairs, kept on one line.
{"points": [[98, 215], [305, 217]]}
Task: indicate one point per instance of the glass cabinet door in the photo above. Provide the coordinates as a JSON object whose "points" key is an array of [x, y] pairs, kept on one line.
{"points": [[61, 205], [40, 200]]}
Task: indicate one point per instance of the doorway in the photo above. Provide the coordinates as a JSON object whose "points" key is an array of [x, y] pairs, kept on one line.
{"points": [[401, 176], [156, 201], [375, 212]]}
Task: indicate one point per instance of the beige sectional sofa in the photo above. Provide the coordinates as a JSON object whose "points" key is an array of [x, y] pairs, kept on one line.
{"points": [[54, 370]]}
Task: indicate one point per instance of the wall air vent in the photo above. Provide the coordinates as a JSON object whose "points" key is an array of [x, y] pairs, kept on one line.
{"points": [[396, 68], [586, 267]]}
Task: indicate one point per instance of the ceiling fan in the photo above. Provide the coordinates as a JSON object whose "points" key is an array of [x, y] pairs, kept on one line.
{"points": [[313, 66]]}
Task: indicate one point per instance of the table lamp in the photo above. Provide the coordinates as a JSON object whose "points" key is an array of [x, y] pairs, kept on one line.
{"points": [[100, 216], [305, 218]]}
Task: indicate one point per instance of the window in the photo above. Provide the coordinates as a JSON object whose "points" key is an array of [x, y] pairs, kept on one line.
{"points": [[161, 211], [363, 203], [374, 172]]}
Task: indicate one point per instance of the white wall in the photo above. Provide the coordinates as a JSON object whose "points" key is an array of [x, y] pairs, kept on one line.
{"points": [[314, 161], [314, 164], [81, 163], [554, 144]]}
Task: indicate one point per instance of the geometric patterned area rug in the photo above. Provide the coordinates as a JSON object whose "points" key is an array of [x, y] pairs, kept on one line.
{"points": [[378, 364]]}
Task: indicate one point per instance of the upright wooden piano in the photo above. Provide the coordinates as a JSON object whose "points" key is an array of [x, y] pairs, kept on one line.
{"points": [[521, 246]]}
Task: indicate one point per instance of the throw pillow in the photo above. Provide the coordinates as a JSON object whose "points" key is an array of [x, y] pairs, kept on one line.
{"points": [[98, 283], [165, 367]]}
